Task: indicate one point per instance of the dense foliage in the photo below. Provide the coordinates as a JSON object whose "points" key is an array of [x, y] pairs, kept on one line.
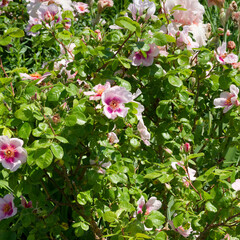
{"points": [[119, 120]]}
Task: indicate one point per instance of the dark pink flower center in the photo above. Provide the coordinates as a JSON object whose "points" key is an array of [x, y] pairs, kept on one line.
{"points": [[7, 208], [228, 101], [8, 152], [114, 104]]}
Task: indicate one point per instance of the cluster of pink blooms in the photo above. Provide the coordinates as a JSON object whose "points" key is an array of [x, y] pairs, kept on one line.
{"points": [[191, 19], [227, 99], [114, 100], [12, 154], [49, 12]]}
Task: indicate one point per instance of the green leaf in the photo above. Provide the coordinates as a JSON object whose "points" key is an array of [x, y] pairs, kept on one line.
{"points": [[65, 35], [5, 81], [14, 32], [195, 155], [210, 207], [175, 81], [178, 220], [159, 39], [153, 175], [25, 130], [61, 139], [35, 28], [5, 40], [43, 157], [142, 236], [71, 120], [109, 216], [157, 218], [161, 236], [57, 150], [55, 93], [25, 113], [129, 24], [67, 14], [134, 142]]}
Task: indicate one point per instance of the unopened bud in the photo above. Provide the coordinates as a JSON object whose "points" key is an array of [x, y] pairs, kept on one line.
{"points": [[222, 17], [231, 45], [56, 118], [187, 147]]}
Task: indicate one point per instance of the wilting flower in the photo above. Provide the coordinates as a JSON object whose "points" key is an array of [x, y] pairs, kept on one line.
{"points": [[236, 185], [190, 171], [219, 3], [101, 166], [114, 99], [81, 7], [112, 138], [26, 204], [98, 91], [181, 230], [102, 4], [138, 58], [151, 205], [7, 208], [12, 154], [144, 134], [34, 76], [139, 6], [227, 99], [223, 57], [4, 3]]}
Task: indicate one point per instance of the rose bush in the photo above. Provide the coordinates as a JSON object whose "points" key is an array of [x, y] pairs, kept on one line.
{"points": [[116, 120]]}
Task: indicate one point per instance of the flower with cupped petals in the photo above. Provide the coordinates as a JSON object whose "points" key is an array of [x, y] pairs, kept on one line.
{"points": [[98, 91], [112, 138], [181, 230], [26, 204], [227, 99], [34, 76], [49, 13], [236, 185], [114, 100], [223, 57], [81, 7], [139, 6], [151, 205], [7, 208], [12, 154], [138, 58]]}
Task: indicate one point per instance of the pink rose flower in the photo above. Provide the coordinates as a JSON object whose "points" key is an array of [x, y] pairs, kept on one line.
{"points": [[101, 165], [223, 57], [191, 171], [81, 7], [181, 230], [151, 205], [98, 91], [34, 76], [7, 208], [102, 4], [236, 185], [12, 154], [227, 99], [114, 99], [138, 58], [144, 134], [47, 13]]}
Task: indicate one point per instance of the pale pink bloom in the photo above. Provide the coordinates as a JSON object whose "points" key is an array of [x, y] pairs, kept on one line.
{"points": [[34, 76], [102, 4], [227, 99], [12, 154], [151, 205], [162, 51], [7, 208], [223, 57], [139, 6], [236, 185], [101, 165], [236, 65], [138, 58], [193, 14], [144, 134], [191, 171], [112, 138], [49, 13], [181, 230], [81, 7], [114, 99], [26, 204], [31, 22], [98, 91]]}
